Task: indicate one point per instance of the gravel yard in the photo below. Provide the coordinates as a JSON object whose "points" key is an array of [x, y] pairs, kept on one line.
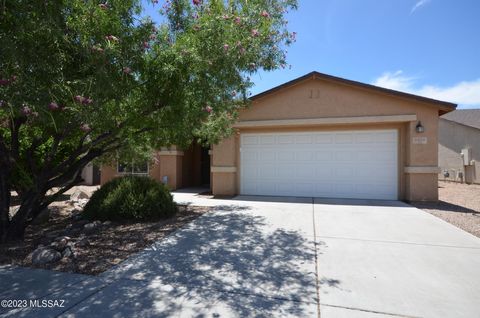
{"points": [[93, 246], [459, 204]]}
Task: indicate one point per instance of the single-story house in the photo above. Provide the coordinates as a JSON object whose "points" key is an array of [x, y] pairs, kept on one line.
{"points": [[316, 136], [459, 146]]}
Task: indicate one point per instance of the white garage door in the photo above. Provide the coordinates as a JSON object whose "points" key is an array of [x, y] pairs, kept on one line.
{"points": [[340, 164]]}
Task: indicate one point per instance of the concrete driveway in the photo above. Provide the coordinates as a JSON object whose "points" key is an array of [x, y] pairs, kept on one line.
{"points": [[278, 257]]}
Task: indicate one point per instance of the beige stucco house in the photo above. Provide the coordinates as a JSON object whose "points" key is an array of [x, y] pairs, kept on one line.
{"points": [[317, 136], [459, 145]]}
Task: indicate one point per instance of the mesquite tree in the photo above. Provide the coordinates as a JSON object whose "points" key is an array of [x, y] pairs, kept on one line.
{"points": [[86, 79]]}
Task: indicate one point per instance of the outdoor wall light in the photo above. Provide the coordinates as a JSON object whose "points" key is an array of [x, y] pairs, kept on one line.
{"points": [[419, 128]]}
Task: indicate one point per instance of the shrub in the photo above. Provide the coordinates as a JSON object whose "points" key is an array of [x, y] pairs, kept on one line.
{"points": [[130, 198]]}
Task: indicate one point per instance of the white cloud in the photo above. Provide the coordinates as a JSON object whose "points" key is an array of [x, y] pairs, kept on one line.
{"points": [[418, 5], [466, 93]]}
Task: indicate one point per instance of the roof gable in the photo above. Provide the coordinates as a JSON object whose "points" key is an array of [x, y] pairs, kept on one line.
{"points": [[444, 107]]}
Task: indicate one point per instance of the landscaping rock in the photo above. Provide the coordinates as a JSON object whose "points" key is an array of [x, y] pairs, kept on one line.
{"points": [[44, 255], [80, 204], [43, 217], [82, 243], [89, 227], [68, 252], [13, 210], [78, 195], [60, 243]]}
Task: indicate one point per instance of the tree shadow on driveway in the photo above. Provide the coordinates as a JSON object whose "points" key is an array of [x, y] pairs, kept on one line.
{"points": [[226, 259]]}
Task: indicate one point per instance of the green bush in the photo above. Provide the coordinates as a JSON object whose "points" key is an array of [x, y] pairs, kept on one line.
{"points": [[130, 198]]}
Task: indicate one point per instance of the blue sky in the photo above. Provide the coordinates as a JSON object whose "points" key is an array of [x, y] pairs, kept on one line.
{"points": [[425, 47]]}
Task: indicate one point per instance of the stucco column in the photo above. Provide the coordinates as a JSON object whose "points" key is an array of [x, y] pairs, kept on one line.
{"points": [[421, 171], [224, 168], [170, 161]]}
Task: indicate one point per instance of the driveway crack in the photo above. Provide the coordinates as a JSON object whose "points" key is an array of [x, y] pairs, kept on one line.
{"points": [[317, 275]]}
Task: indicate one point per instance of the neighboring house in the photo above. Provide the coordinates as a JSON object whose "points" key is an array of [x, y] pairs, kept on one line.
{"points": [[459, 131], [317, 136]]}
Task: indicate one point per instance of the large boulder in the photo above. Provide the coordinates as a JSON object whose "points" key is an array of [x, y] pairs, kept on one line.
{"points": [[44, 255], [78, 195]]}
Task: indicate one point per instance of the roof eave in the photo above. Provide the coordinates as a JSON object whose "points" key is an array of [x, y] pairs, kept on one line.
{"points": [[444, 107]]}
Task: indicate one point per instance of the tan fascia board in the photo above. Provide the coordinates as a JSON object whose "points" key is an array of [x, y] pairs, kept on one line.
{"points": [[422, 169], [326, 121], [223, 169]]}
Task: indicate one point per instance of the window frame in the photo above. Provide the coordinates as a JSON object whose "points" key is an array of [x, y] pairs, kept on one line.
{"points": [[131, 171]]}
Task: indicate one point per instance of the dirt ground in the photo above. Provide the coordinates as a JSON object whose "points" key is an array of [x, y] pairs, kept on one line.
{"points": [[459, 204], [95, 250]]}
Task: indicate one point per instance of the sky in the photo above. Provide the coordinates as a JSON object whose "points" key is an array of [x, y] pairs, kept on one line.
{"points": [[425, 47]]}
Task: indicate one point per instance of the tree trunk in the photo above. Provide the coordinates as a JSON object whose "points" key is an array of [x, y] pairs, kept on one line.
{"points": [[5, 197], [31, 202]]}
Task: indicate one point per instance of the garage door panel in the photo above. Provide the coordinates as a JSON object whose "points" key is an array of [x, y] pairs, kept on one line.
{"points": [[349, 164], [286, 155], [343, 138], [267, 155], [305, 155], [324, 156], [266, 140], [324, 138]]}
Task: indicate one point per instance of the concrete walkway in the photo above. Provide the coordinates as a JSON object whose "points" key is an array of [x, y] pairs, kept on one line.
{"points": [[277, 257]]}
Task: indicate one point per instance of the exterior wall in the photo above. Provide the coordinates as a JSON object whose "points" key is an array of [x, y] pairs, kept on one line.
{"points": [[182, 168], [453, 137], [165, 163], [320, 99]]}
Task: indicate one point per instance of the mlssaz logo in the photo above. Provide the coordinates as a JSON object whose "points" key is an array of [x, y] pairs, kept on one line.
{"points": [[47, 303]]}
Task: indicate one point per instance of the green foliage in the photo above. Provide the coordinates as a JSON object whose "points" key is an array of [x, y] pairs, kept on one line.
{"points": [[131, 198], [96, 78]]}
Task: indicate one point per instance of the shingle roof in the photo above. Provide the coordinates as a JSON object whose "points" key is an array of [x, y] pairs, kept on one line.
{"points": [[468, 117], [444, 106]]}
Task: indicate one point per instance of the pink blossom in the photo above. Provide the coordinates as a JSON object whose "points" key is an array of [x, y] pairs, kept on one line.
{"points": [[146, 45], [255, 32], [85, 128], [237, 20], [226, 47], [53, 106], [112, 38], [208, 109], [26, 110], [152, 36], [225, 17], [242, 50], [4, 82], [265, 14], [13, 78], [197, 2], [79, 99], [87, 101], [103, 6], [127, 70]]}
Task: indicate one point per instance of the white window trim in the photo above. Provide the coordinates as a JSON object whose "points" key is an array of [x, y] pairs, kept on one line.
{"points": [[131, 173]]}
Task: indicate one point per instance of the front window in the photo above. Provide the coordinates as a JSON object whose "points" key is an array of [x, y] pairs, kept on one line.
{"points": [[133, 168]]}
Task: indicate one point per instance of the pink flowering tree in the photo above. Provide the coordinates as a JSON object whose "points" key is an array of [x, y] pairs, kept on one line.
{"points": [[84, 80]]}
